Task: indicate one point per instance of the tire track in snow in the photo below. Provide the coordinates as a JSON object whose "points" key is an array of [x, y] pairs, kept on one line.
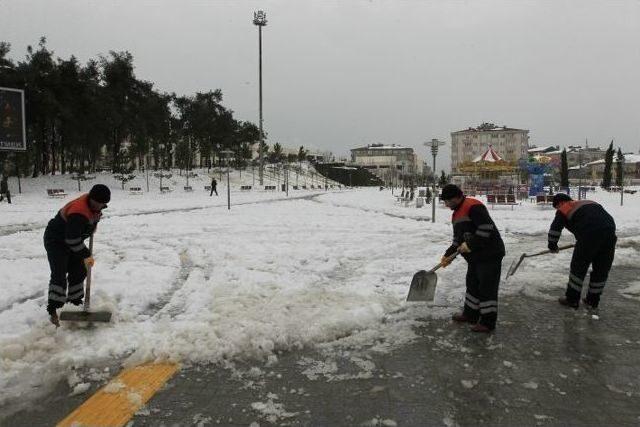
{"points": [[11, 304], [8, 230], [165, 300]]}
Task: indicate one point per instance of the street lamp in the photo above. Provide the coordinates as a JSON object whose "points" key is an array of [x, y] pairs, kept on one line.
{"points": [[434, 144], [580, 173], [227, 154], [260, 20]]}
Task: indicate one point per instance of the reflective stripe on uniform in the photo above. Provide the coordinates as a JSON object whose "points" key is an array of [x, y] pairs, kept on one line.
{"points": [[483, 233], [488, 310], [57, 289], [78, 248], [486, 227], [75, 288], [575, 279], [575, 287], [554, 233], [76, 295], [488, 303], [55, 297], [461, 219]]}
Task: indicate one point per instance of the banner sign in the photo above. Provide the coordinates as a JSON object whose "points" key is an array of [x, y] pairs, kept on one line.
{"points": [[13, 135]]}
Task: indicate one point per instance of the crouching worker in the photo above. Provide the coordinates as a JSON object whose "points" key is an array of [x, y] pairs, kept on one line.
{"points": [[595, 233], [477, 238], [69, 258]]}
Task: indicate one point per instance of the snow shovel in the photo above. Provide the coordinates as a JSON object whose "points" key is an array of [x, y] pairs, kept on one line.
{"points": [[86, 315], [514, 265], [423, 284]]}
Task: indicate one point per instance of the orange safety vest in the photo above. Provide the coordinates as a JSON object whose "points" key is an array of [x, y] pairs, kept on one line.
{"points": [[570, 207], [80, 206], [462, 213]]}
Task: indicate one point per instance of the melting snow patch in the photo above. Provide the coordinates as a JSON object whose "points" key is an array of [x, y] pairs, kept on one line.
{"points": [[80, 388], [530, 385], [271, 410], [469, 383], [375, 422], [114, 387]]}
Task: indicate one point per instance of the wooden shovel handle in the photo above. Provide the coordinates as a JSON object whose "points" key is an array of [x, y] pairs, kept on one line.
{"points": [[447, 260], [560, 248], [87, 288]]}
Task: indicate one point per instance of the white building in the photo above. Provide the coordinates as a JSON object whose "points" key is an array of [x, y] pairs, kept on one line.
{"points": [[384, 159], [466, 145]]}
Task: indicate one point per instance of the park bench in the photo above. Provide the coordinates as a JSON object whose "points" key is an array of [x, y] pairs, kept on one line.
{"points": [[502, 199], [304, 187], [207, 187], [56, 192], [135, 190], [165, 190], [245, 187], [270, 187], [544, 199], [188, 188], [295, 187]]}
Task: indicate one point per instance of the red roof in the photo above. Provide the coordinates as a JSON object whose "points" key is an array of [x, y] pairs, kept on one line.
{"points": [[489, 156]]}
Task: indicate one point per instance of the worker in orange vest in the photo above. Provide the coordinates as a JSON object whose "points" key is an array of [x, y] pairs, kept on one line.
{"points": [[69, 258], [595, 233], [477, 238]]}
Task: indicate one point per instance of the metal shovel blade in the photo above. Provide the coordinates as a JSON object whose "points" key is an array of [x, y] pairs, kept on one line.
{"points": [[86, 316], [423, 286], [515, 264]]}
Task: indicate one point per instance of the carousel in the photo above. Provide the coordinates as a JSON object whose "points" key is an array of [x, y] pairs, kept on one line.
{"points": [[489, 172]]}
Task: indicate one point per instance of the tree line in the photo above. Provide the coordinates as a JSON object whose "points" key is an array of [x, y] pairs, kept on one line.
{"points": [[607, 175], [80, 117]]}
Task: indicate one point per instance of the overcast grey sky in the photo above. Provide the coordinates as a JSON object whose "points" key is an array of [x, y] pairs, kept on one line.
{"points": [[339, 74]]}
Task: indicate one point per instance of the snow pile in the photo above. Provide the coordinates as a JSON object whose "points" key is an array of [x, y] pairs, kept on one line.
{"points": [[189, 280]]}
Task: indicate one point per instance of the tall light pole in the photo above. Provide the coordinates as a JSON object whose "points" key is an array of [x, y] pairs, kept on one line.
{"points": [[580, 173], [434, 144], [260, 20], [227, 154]]}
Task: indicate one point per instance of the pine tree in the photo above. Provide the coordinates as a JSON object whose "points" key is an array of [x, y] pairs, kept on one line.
{"points": [[444, 179], [608, 160], [619, 168], [564, 170]]}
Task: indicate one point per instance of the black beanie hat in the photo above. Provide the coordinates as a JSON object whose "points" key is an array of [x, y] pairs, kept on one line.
{"points": [[100, 193], [560, 197], [450, 191]]}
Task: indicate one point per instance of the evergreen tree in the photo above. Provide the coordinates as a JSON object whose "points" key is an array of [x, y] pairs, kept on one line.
{"points": [[619, 168], [444, 179], [608, 160], [564, 170], [302, 154]]}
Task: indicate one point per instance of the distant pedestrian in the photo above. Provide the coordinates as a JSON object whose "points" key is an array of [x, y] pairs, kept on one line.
{"points": [[595, 233], [214, 185], [476, 237], [4, 189]]}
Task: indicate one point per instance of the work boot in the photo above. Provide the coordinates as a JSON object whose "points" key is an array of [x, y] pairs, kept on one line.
{"points": [[53, 315], [461, 318], [564, 301], [479, 327], [590, 306]]}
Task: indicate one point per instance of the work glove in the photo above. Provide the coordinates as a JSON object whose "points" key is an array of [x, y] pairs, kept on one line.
{"points": [[464, 248], [553, 247], [445, 261], [88, 262]]}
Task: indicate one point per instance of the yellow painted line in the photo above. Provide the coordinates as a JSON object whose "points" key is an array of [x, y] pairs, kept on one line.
{"points": [[115, 403]]}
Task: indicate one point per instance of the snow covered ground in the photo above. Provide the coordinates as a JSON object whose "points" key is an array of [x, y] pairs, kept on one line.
{"points": [[190, 281]]}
